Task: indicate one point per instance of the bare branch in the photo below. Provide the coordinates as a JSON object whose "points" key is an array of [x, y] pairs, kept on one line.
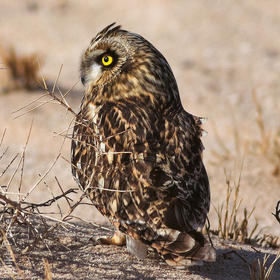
{"points": [[48, 202], [5, 151], [7, 167], [56, 80], [23, 158], [41, 179], [32, 102], [50, 93], [3, 135], [63, 193]]}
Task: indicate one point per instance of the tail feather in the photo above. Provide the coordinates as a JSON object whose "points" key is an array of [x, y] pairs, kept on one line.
{"points": [[185, 250]]}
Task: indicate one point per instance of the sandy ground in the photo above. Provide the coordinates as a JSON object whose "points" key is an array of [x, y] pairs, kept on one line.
{"points": [[73, 256], [220, 51]]}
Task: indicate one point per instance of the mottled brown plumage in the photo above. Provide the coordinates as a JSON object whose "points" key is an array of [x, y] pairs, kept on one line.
{"points": [[137, 153]]}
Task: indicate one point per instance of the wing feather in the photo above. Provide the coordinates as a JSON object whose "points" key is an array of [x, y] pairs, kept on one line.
{"points": [[160, 159]]}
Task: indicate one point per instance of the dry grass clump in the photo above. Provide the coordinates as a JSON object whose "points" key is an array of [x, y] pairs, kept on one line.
{"points": [[23, 70], [234, 224], [260, 270], [269, 241]]}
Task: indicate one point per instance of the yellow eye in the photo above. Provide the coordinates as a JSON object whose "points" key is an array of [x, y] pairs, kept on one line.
{"points": [[107, 60]]}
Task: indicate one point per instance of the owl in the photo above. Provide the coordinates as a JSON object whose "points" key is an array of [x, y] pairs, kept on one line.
{"points": [[137, 153]]}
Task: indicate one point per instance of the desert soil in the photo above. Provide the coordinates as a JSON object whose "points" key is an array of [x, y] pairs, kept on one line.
{"points": [[73, 256], [221, 53]]}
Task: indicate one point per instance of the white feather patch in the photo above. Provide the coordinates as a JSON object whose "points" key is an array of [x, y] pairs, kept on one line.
{"points": [[101, 182], [102, 147], [93, 110], [94, 73]]}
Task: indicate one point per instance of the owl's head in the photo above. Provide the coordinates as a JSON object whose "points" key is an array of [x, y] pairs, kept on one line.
{"points": [[120, 64]]}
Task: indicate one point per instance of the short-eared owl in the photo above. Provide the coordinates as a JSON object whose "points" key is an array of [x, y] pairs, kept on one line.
{"points": [[137, 153]]}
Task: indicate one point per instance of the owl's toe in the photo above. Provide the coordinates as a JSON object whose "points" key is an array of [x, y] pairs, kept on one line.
{"points": [[118, 239]]}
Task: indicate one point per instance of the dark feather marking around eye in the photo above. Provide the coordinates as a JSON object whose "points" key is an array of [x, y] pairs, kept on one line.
{"points": [[83, 79], [109, 53]]}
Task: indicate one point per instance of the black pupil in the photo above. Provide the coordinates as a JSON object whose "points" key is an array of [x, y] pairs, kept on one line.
{"points": [[106, 59]]}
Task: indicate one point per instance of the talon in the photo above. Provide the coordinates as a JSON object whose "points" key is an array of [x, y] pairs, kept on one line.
{"points": [[118, 239], [99, 240]]}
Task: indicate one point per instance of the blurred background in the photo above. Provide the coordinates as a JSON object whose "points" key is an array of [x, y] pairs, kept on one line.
{"points": [[225, 56]]}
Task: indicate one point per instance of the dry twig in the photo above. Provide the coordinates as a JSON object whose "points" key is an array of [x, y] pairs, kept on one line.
{"points": [[48, 274], [277, 212], [259, 269]]}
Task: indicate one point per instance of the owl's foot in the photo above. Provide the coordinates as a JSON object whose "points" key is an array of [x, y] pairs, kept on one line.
{"points": [[118, 239], [204, 254]]}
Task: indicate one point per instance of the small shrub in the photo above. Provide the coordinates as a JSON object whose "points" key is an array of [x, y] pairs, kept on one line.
{"points": [[23, 70]]}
